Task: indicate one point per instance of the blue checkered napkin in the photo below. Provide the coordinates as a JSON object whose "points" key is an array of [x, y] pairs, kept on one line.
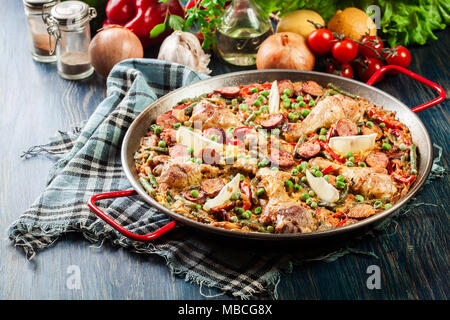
{"points": [[89, 163]]}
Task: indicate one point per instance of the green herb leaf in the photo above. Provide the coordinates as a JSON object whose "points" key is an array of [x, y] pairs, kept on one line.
{"points": [[176, 22], [157, 30]]}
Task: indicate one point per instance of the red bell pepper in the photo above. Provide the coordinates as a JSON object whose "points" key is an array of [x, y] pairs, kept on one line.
{"points": [[379, 118], [403, 179], [327, 169], [246, 195], [140, 16], [327, 148]]}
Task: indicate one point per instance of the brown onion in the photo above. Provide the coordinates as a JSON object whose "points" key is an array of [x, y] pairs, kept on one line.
{"points": [[112, 45], [285, 50]]}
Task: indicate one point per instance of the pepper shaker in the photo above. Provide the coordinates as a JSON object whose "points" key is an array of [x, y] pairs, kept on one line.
{"points": [[69, 27], [37, 12]]}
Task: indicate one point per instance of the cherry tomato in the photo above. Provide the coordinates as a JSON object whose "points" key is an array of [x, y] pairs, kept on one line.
{"points": [[399, 57], [342, 69], [371, 46], [368, 67], [320, 41], [345, 50]]}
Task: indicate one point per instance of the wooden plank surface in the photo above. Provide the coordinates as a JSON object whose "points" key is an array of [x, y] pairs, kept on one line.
{"points": [[36, 102]]}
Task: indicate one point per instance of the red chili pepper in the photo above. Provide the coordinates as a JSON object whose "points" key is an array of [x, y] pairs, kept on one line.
{"points": [[330, 133], [141, 16], [390, 123], [326, 147], [246, 195], [182, 106], [403, 179], [327, 169]]}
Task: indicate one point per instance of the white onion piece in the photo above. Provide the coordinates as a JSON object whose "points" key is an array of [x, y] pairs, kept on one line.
{"points": [[196, 141], [322, 188], [274, 98], [224, 194], [353, 144]]}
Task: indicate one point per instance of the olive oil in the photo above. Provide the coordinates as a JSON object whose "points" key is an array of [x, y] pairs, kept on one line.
{"points": [[240, 46], [241, 31]]}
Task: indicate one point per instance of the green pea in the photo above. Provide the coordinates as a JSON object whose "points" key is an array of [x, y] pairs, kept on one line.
{"points": [[198, 161], [369, 124], [327, 178], [292, 116], [349, 154], [309, 201], [247, 214], [260, 192], [194, 193], [351, 159], [239, 210], [315, 168], [362, 164], [297, 187], [263, 163], [312, 103], [236, 195], [258, 210], [274, 169], [311, 193], [260, 99], [257, 103], [276, 131], [323, 131], [198, 206], [377, 204], [305, 112], [300, 98], [289, 184], [257, 112], [359, 198], [265, 93], [294, 105], [177, 125], [313, 204], [162, 144], [286, 103], [270, 229], [190, 150], [304, 179], [287, 92], [294, 172], [214, 137], [191, 129], [264, 109], [340, 178], [304, 196], [157, 129], [243, 107], [340, 184], [386, 146], [322, 138], [403, 146], [253, 90], [242, 177], [233, 219], [382, 125], [318, 173], [387, 206]]}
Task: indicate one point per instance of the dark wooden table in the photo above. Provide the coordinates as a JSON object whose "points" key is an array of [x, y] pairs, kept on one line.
{"points": [[35, 102]]}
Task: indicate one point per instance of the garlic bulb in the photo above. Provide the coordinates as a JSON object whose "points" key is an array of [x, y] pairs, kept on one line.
{"points": [[184, 48]]}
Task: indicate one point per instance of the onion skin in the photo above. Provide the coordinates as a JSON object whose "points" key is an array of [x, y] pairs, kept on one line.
{"points": [[285, 50], [112, 45]]}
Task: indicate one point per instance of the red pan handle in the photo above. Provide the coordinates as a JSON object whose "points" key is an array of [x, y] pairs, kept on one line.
{"points": [[116, 225], [415, 76]]}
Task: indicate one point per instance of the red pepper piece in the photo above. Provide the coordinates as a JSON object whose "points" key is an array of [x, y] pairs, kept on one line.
{"points": [[330, 133], [242, 131], [327, 148], [403, 179], [246, 195], [340, 224], [141, 16], [390, 123], [182, 106], [327, 169]]}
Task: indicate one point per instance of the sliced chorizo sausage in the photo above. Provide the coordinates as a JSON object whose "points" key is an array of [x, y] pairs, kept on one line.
{"points": [[346, 127], [312, 88], [212, 187], [178, 151], [218, 132], [286, 84], [229, 92], [166, 120], [308, 149], [361, 211], [210, 156], [272, 121], [377, 159], [201, 198], [281, 158]]}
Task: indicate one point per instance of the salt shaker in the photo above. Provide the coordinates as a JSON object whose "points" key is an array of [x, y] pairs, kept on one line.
{"points": [[69, 27], [36, 12]]}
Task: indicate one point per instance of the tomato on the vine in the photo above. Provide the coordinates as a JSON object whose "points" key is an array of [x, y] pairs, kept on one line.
{"points": [[368, 67], [342, 69], [345, 50], [398, 56], [370, 46], [320, 41]]}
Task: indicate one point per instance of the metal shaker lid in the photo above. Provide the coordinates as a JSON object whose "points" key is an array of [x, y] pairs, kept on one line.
{"points": [[38, 4], [70, 12]]}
